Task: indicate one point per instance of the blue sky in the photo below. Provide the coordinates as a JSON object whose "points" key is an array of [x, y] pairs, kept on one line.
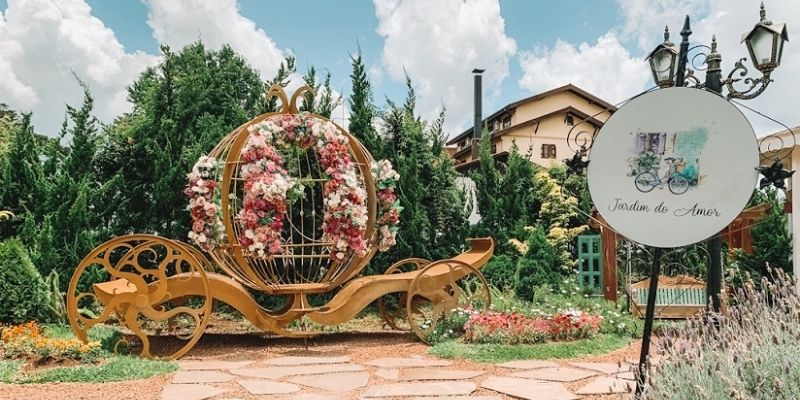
{"points": [[526, 46], [346, 24]]}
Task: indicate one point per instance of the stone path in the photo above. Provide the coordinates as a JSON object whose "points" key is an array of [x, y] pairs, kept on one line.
{"points": [[408, 378]]}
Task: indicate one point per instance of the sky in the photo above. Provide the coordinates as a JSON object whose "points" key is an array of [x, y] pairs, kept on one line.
{"points": [[526, 47]]}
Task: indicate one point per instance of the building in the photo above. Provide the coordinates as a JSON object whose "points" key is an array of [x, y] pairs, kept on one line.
{"points": [[785, 145], [541, 123]]}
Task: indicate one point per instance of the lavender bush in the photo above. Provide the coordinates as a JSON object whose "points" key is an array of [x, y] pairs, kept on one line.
{"points": [[754, 353]]}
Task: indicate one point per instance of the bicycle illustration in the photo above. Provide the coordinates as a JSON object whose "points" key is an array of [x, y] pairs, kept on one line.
{"points": [[648, 180]]}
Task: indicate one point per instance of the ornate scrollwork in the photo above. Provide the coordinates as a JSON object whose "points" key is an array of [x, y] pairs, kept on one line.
{"points": [[756, 85], [441, 289], [391, 307], [132, 280]]}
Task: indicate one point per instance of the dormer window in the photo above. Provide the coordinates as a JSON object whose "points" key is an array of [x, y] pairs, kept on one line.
{"points": [[569, 120]]}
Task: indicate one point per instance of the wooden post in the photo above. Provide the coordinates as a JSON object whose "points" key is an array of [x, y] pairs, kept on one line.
{"points": [[609, 239]]}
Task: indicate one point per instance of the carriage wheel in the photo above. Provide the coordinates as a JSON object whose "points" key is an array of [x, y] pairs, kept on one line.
{"points": [[440, 290], [126, 281], [391, 307]]}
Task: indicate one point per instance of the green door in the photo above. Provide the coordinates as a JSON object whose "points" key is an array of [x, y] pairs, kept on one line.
{"points": [[590, 266]]}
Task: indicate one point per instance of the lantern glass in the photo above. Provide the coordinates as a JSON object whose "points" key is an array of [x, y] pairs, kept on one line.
{"points": [[761, 43], [663, 64]]}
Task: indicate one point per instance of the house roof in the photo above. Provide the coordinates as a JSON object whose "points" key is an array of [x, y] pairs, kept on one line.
{"points": [[566, 88]]}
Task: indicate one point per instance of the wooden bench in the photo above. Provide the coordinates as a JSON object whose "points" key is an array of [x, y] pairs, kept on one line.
{"points": [[677, 297]]}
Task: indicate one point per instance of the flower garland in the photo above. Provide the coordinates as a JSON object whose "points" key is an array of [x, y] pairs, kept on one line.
{"points": [[207, 228], [269, 189], [388, 205]]}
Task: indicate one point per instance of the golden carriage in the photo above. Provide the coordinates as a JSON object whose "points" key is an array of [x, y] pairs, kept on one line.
{"points": [[153, 286]]}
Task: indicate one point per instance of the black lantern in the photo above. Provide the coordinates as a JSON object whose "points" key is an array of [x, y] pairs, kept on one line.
{"points": [[765, 43], [663, 60]]}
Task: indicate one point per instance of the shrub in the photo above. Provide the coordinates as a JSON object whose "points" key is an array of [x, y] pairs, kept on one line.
{"points": [[751, 354], [23, 295], [27, 341], [500, 272]]}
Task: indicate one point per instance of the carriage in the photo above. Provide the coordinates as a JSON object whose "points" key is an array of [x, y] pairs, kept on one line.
{"points": [[288, 206]]}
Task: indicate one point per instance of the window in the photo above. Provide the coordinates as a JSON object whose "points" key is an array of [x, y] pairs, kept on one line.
{"points": [[494, 148], [548, 151], [507, 123], [569, 120]]}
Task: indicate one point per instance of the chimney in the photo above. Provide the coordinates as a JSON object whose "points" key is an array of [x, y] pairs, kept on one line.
{"points": [[477, 128]]}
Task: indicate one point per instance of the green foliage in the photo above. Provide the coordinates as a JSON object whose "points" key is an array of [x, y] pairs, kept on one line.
{"points": [[433, 222], [772, 241], [538, 266], [118, 368], [63, 227], [495, 353], [55, 298], [23, 294], [362, 111], [504, 193], [181, 109], [21, 180], [500, 272]]}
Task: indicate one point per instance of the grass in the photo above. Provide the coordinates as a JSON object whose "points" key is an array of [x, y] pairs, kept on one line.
{"points": [[110, 368], [116, 368], [599, 344], [8, 368]]}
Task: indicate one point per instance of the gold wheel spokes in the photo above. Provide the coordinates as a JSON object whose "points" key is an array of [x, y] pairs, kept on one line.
{"points": [[440, 289], [391, 307], [137, 278]]}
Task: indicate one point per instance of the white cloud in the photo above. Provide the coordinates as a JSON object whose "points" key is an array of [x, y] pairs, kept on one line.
{"points": [[610, 71], [605, 69], [439, 46], [215, 22], [43, 42]]}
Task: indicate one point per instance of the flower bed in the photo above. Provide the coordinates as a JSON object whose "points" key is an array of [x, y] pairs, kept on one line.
{"points": [[516, 328], [27, 341]]}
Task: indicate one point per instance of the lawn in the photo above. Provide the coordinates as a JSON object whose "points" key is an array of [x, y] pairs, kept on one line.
{"points": [[109, 367], [599, 344]]}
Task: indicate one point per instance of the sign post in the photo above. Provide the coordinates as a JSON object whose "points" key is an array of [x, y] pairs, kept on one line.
{"points": [[672, 168]]}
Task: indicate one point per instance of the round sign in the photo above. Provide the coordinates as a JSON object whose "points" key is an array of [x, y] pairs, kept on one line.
{"points": [[673, 167]]}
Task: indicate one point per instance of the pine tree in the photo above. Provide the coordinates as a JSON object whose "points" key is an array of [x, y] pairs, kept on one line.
{"points": [[21, 182], [362, 110], [504, 192], [285, 71], [181, 109], [310, 96], [327, 101]]}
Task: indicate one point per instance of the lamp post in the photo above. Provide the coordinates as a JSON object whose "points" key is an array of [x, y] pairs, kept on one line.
{"points": [[670, 68]]}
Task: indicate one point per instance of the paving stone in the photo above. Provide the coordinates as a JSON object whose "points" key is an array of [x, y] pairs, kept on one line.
{"points": [[631, 376], [290, 361], [420, 389], [190, 392], [528, 364], [388, 373], [407, 363], [419, 374], [607, 385], [190, 365], [201, 377], [263, 386], [339, 382], [316, 396], [606, 368], [280, 372], [459, 398], [528, 389], [560, 374]]}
